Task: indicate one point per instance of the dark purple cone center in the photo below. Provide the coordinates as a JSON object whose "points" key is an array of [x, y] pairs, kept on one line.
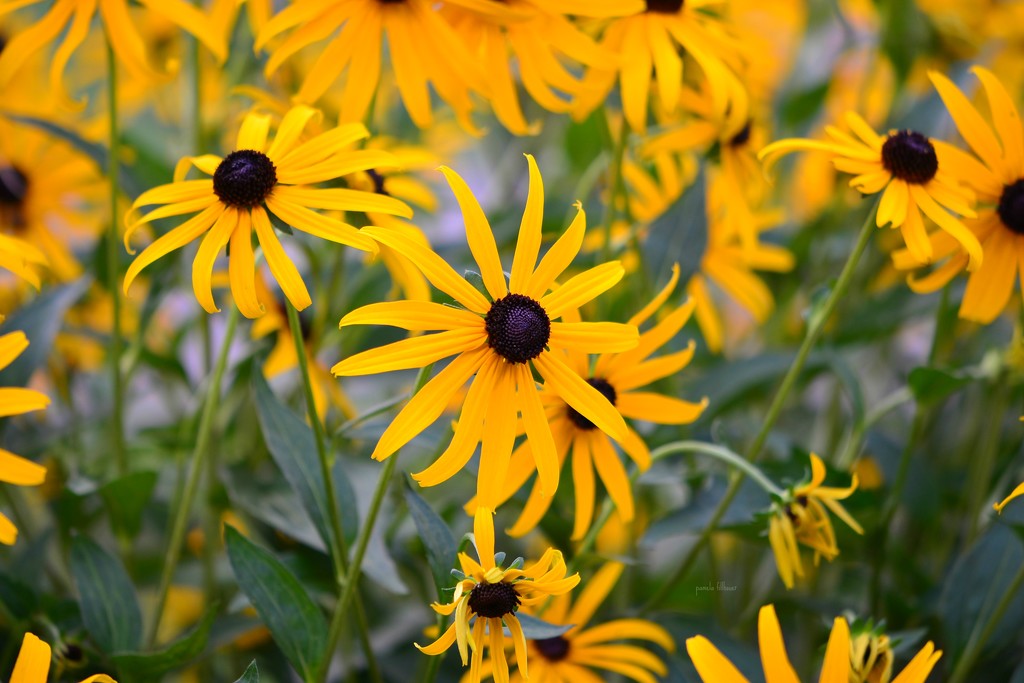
{"points": [[553, 649], [244, 178], [664, 6], [494, 600], [518, 328], [1011, 207], [910, 156]]}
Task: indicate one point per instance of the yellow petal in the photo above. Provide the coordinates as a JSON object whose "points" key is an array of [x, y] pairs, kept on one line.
{"points": [[587, 400], [440, 645], [417, 352], [1019, 491], [837, 654], [774, 661], [413, 315], [174, 239], [242, 268], [593, 337], [209, 248], [538, 431], [642, 405], [528, 243], [281, 266], [582, 288], [33, 663], [18, 471], [17, 400], [479, 235], [483, 535], [711, 664], [559, 256], [253, 133], [596, 590]]}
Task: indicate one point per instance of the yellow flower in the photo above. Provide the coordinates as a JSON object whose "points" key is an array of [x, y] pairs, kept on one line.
{"points": [[33, 663], [76, 17], [803, 518], [541, 38], [572, 656], [491, 596], [423, 49], [254, 178], [51, 199], [916, 173], [17, 401], [998, 507], [498, 338], [714, 667], [617, 376], [999, 182], [649, 46]]}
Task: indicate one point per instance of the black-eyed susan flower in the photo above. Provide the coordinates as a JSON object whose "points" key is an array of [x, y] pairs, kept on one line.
{"points": [[872, 659], [575, 655], [500, 337], [17, 401], [423, 48], [33, 663], [542, 39], [51, 200], [998, 180], [802, 518], [76, 16], [247, 183], [619, 378], [487, 598], [649, 46], [1017, 492], [714, 667], [914, 173]]}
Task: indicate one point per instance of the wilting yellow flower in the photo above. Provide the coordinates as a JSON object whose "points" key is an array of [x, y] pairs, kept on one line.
{"points": [[871, 660], [33, 663], [999, 182], [17, 401], [423, 49], [542, 38], [248, 182], [497, 337], [803, 518], [1019, 491], [76, 16], [915, 172], [491, 596], [617, 376], [649, 45], [51, 197], [714, 667], [571, 657]]}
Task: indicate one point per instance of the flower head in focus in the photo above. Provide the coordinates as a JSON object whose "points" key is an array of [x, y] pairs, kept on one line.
{"points": [[914, 173], [33, 663], [17, 401], [500, 337], [247, 183], [802, 518], [996, 174], [487, 598]]}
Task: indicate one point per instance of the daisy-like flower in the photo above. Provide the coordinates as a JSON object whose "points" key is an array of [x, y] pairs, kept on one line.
{"points": [[72, 19], [871, 661], [541, 38], [33, 663], [649, 45], [500, 337], [618, 377], [802, 517], [998, 180], [573, 656], [17, 401], [51, 198], [248, 182], [915, 172], [423, 49], [714, 667], [489, 596]]}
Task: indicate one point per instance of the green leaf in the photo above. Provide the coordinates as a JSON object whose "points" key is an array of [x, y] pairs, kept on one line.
{"points": [[126, 498], [436, 536], [40, 320], [18, 597], [251, 675], [476, 279], [931, 385], [150, 666], [295, 622], [292, 446], [680, 235], [538, 629], [110, 609]]}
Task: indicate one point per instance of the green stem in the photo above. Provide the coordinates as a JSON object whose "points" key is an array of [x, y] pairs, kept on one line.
{"points": [[616, 184], [979, 638], [351, 583], [815, 327], [113, 267], [196, 468]]}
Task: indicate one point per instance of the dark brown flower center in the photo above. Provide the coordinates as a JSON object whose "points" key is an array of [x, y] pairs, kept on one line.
{"points": [[244, 178], [741, 138], [553, 649], [606, 390], [378, 182], [13, 190], [1011, 207], [518, 328], [910, 156], [494, 600], [664, 6]]}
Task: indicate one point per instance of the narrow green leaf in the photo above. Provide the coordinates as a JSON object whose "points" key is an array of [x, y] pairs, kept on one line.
{"points": [[251, 675], [297, 625], [40, 320], [126, 498], [292, 446], [150, 666], [110, 609], [931, 385], [538, 629], [436, 536]]}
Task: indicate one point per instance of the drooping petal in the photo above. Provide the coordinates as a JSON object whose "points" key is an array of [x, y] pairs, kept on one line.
{"points": [[711, 664], [479, 235], [582, 288]]}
